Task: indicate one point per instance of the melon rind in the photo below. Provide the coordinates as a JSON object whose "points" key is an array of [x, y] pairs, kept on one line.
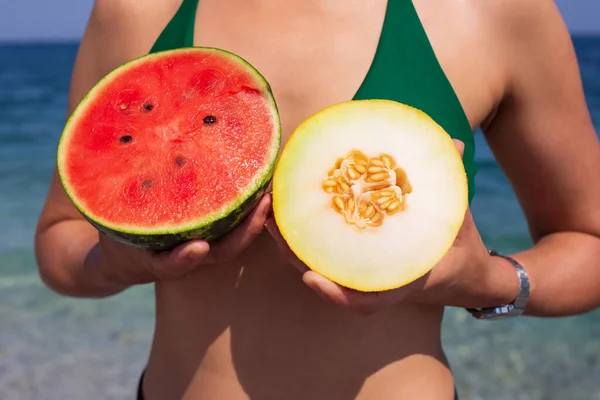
{"points": [[210, 227], [409, 244]]}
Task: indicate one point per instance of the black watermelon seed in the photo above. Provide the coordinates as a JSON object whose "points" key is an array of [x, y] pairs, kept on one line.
{"points": [[125, 139], [147, 184], [148, 107], [209, 119], [180, 161]]}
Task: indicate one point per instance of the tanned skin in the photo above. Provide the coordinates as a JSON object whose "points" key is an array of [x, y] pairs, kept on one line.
{"points": [[243, 319]]}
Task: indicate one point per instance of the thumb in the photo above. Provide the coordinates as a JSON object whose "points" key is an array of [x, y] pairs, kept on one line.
{"points": [[240, 238], [180, 260], [460, 146]]}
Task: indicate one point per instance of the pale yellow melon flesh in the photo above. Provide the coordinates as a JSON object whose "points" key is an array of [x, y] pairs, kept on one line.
{"points": [[400, 247]]}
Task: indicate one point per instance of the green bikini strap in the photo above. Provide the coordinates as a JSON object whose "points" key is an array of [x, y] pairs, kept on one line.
{"points": [[180, 30]]}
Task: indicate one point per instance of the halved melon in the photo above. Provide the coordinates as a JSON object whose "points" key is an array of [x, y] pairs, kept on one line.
{"points": [[370, 194]]}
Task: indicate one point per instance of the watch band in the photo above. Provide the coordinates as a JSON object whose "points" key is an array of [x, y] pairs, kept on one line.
{"points": [[514, 309]]}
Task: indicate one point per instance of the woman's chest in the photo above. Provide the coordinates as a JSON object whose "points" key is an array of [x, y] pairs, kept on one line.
{"points": [[315, 54]]}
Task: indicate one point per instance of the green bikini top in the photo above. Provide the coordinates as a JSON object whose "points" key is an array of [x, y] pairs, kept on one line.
{"points": [[405, 69]]}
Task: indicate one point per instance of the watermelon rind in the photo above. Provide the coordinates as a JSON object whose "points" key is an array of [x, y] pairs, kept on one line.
{"points": [[211, 227]]}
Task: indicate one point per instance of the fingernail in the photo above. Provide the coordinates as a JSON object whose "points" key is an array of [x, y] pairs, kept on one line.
{"points": [[316, 288], [267, 210], [310, 281], [191, 254]]}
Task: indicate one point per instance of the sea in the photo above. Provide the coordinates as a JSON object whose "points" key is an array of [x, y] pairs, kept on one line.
{"points": [[58, 348]]}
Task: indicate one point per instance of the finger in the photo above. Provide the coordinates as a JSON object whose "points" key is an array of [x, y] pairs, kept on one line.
{"points": [[180, 260], [122, 272], [237, 240], [467, 227], [460, 146], [273, 230], [364, 303], [139, 265], [334, 292]]}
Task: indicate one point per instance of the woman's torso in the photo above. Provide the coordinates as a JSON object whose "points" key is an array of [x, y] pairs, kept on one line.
{"points": [[251, 328]]}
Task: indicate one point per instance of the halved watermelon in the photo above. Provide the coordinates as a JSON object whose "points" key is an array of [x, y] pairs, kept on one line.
{"points": [[172, 146]]}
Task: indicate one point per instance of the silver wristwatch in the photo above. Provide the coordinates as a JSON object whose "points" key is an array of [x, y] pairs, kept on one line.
{"points": [[513, 309]]}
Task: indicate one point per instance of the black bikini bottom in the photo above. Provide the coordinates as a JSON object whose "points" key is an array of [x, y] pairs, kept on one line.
{"points": [[140, 394]]}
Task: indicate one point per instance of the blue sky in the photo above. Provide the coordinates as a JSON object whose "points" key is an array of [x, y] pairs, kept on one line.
{"points": [[65, 19]]}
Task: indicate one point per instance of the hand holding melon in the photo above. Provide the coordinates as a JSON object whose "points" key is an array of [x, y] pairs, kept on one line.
{"points": [[368, 197], [452, 282]]}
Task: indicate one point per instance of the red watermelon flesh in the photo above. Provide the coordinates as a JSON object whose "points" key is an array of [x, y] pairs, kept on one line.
{"points": [[171, 146]]}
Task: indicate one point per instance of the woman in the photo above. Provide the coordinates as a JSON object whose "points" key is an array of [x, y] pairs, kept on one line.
{"points": [[274, 333]]}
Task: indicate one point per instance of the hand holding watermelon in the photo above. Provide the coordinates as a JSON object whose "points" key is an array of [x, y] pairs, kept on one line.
{"points": [[124, 265]]}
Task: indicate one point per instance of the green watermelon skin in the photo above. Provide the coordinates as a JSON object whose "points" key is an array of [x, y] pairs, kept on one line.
{"points": [[209, 232], [209, 228]]}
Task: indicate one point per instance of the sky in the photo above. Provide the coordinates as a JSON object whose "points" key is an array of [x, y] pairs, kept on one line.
{"points": [[65, 19]]}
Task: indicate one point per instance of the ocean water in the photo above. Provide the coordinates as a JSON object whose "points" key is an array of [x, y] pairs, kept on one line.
{"points": [[56, 348]]}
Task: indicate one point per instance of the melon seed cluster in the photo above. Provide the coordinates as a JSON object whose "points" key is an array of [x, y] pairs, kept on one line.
{"points": [[366, 190]]}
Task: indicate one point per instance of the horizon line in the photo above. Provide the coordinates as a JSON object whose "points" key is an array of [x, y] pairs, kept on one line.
{"points": [[75, 40]]}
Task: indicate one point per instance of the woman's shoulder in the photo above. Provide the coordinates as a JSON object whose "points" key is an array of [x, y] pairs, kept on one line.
{"points": [[127, 28], [517, 24], [117, 31]]}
